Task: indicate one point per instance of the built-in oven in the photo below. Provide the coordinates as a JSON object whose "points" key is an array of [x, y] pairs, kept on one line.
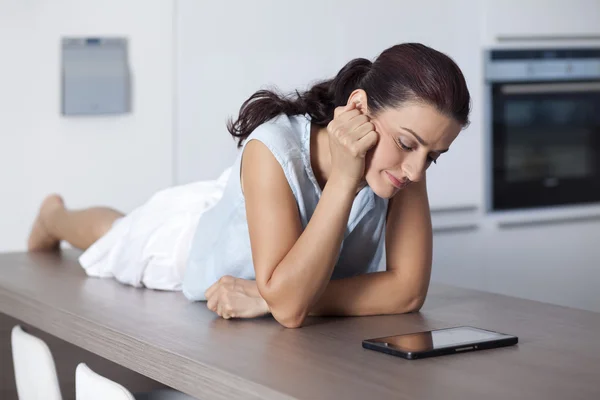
{"points": [[543, 141]]}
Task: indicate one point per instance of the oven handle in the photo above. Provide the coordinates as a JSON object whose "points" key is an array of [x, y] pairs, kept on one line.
{"points": [[572, 87]]}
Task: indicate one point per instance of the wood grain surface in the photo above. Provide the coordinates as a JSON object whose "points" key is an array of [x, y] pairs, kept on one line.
{"points": [[183, 345]]}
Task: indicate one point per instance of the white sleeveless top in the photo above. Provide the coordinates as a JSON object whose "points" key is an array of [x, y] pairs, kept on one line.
{"points": [[221, 244]]}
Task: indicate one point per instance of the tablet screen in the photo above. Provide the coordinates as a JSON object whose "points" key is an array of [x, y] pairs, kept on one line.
{"points": [[426, 341]]}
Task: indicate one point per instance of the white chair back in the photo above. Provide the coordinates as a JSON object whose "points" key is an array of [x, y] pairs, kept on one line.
{"points": [[91, 386], [35, 372]]}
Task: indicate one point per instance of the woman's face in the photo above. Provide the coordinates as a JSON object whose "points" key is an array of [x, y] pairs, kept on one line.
{"points": [[411, 139]]}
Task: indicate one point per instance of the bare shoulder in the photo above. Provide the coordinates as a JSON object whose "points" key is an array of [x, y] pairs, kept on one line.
{"points": [[260, 168], [271, 209]]}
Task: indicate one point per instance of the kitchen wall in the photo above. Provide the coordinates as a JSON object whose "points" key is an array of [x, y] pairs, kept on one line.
{"points": [[116, 161]]}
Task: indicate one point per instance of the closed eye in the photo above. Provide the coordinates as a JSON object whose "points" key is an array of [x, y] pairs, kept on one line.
{"points": [[408, 148], [403, 146]]}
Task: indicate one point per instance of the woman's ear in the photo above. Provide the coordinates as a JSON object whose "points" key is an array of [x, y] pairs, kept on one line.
{"points": [[359, 97]]}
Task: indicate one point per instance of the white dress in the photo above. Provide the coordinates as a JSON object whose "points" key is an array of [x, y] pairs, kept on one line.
{"points": [[150, 246]]}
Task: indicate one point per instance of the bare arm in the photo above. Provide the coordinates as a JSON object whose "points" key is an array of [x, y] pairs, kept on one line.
{"points": [[403, 286], [293, 267]]}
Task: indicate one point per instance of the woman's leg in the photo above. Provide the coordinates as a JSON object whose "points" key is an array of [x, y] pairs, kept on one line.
{"points": [[80, 228]]}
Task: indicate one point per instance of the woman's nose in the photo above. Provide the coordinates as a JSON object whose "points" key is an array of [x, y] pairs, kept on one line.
{"points": [[415, 171]]}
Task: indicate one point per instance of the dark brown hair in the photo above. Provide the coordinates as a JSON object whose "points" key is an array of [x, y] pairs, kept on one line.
{"points": [[404, 72]]}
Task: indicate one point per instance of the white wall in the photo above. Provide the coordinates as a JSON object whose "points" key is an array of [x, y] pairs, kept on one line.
{"points": [[117, 161], [229, 49], [521, 20]]}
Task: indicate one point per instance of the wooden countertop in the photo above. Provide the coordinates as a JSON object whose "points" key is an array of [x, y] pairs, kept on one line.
{"points": [[184, 345]]}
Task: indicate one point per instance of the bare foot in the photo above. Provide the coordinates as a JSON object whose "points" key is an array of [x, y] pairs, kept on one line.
{"points": [[40, 238]]}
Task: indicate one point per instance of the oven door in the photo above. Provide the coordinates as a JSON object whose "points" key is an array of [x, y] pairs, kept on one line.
{"points": [[546, 144]]}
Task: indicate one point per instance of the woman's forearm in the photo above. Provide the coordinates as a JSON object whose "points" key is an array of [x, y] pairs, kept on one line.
{"points": [[302, 276], [369, 294]]}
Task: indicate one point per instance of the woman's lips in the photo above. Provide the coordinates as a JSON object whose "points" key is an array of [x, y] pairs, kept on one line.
{"points": [[397, 183]]}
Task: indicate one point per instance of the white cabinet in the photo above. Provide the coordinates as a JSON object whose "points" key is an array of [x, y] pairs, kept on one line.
{"points": [[507, 20], [459, 258], [555, 262], [551, 262]]}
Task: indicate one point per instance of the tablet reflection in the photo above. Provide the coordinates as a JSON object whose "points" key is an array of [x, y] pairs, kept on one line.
{"points": [[422, 341]]}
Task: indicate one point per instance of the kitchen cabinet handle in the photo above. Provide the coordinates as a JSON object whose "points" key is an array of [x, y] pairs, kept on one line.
{"points": [[553, 38], [548, 221], [454, 209], [455, 228], [572, 87]]}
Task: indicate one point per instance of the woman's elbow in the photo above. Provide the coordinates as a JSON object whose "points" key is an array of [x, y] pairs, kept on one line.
{"points": [[414, 304], [282, 308], [289, 318], [288, 315], [291, 322]]}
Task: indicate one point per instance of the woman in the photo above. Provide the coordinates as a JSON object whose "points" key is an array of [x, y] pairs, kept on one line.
{"points": [[325, 212]]}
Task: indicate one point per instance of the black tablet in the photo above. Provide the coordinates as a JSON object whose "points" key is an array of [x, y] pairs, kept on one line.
{"points": [[439, 342]]}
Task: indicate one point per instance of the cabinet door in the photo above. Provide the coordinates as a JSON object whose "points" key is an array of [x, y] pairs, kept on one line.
{"points": [[555, 263], [539, 19], [459, 258]]}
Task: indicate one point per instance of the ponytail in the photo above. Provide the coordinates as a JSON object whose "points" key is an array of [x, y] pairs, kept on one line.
{"points": [[319, 101]]}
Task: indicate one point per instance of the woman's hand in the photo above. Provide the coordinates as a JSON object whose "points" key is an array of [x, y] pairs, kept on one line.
{"points": [[351, 135], [231, 297]]}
